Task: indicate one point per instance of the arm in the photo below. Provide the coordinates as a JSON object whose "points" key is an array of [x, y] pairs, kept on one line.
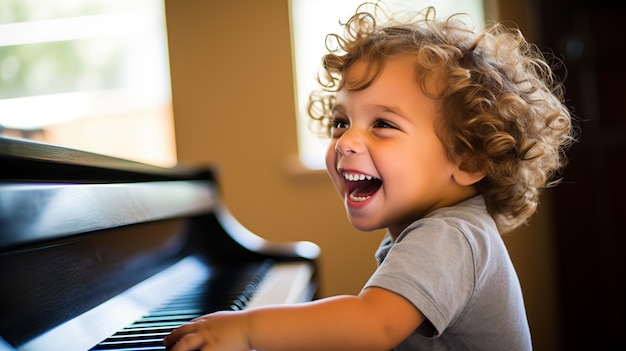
{"points": [[377, 319]]}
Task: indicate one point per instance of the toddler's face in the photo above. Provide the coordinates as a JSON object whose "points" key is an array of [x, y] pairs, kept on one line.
{"points": [[385, 159]]}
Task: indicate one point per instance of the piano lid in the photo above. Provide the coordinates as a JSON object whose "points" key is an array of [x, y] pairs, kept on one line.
{"points": [[48, 191], [26, 160]]}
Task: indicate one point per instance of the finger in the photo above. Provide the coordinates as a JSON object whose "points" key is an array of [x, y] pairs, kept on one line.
{"points": [[178, 333], [189, 342], [200, 318]]}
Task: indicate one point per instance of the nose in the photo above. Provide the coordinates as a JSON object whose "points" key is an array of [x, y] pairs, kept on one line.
{"points": [[349, 143]]}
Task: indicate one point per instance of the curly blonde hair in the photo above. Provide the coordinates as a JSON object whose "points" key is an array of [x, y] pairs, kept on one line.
{"points": [[502, 106]]}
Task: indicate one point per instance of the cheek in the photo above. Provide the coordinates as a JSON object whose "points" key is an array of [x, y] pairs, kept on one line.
{"points": [[331, 157]]}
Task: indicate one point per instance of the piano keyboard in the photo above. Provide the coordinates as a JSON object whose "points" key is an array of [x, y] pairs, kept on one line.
{"points": [[138, 319], [230, 289]]}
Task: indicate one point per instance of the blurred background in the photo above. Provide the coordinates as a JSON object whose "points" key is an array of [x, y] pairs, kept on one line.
{"points": [[199, 82]]}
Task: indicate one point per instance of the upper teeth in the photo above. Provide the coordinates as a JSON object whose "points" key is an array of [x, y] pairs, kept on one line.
{"points": [[356, 177]]}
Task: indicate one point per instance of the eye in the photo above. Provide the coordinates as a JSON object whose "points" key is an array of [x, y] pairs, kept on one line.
{"points": [[338, 126], [381, 123], [339, 123]]}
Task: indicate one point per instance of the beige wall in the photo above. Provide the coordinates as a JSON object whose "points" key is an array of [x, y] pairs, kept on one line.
{"points": [[233, 98]]}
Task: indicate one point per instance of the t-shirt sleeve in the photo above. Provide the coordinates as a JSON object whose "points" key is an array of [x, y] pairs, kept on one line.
{"points": [[431, 264]]}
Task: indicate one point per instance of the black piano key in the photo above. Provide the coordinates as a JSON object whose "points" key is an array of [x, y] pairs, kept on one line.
{"points": [[148, 341], [140, 336], [231, 288], [137, 348], [175, 312], [140, 331], [166, 318]]}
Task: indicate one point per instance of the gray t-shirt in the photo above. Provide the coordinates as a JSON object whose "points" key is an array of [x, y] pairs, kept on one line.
{"points": [[453, 266]]}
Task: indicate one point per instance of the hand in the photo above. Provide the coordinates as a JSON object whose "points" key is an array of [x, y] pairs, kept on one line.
{"points": [[217, 331]]}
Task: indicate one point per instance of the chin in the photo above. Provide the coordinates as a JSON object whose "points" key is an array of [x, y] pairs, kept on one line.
{"points": [[364, 227]]}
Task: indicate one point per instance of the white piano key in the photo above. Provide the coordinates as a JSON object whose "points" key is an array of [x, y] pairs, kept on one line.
{"points": [[285, 283]]}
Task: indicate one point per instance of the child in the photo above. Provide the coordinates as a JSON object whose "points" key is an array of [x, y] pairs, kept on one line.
{"points": [[445, 138]]}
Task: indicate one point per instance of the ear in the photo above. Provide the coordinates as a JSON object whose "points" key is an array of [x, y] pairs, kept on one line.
{"points": [[465, 178]]}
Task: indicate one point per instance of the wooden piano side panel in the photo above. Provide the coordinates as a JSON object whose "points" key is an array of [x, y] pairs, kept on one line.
{"points": [[231, 242]]}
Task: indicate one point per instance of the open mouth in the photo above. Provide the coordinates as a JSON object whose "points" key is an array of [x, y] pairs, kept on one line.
{"points": [[361, 187]]}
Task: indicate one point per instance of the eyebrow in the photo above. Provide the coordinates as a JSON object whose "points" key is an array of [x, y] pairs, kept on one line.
{"points": [[377, 108], [393, 109], [337, 108]]}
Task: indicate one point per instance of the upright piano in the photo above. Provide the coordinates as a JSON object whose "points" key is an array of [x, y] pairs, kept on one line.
{"points": [[102, 253]]}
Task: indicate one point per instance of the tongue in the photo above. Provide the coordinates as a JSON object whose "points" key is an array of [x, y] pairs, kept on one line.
{"points": [[365, 188]]}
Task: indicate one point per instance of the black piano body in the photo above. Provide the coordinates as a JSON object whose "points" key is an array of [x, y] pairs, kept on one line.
{"points": [[98, 252]]}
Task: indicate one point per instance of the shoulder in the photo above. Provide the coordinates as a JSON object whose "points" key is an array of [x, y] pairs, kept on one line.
{"points": [[466, 218], [465, 231]]}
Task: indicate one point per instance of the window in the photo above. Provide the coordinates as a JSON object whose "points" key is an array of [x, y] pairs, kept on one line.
{"points": [[311, 20], [92, 75]]}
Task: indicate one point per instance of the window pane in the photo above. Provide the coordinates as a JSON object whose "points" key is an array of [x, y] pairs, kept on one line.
{"points": [[92, 75]]}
